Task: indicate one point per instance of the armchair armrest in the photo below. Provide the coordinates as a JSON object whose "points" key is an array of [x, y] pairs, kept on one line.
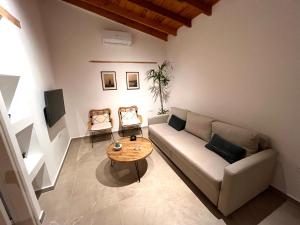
{"points": [[245, 179], [111, 121], [140, 118], [89, 125], [158, 119]]}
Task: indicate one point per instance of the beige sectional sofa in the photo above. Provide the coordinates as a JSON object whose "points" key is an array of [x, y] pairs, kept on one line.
{"points": [[228, 186]]}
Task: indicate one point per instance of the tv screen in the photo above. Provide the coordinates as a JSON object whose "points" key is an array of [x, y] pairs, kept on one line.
{"points": [[55, 107]]}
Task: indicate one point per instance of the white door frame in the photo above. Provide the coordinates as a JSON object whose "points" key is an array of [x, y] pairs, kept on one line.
{"points": [[3, 214], [24, 212]]}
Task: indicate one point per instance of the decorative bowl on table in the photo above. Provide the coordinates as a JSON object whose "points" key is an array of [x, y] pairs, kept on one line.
{"points": [[117, 146]]}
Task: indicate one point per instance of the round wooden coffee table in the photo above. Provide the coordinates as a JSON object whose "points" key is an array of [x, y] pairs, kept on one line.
{"points": [[132, 151]]}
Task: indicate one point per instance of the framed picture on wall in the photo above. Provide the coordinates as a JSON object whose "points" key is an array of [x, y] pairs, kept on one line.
{"points": [[133, 80], [109, 81]]}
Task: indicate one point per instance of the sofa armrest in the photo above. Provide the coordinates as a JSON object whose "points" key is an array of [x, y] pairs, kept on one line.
{"points": [[245, 179], [158, 119]]}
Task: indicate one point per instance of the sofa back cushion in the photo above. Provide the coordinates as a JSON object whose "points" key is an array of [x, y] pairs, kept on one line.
{"points": [[199, 125], [264, 142], [245, 138], [180, 113]]}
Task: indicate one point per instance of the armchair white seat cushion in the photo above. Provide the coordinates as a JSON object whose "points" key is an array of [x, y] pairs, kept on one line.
{"points": [[131, 122], [129, 118], [101, 126], [103, 118]]}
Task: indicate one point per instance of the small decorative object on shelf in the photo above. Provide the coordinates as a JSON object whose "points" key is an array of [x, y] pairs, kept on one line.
{"points": [[24, 154], [117, 146], [132, 138]]}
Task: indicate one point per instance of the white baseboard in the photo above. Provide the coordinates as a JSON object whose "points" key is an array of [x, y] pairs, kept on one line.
{"points": [[293, 197], [82, 136], [42, 216], [62, 161], [287, 194], [88, 135]]}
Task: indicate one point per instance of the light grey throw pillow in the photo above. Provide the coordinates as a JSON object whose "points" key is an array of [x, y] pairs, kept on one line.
{"points": [[199, 125]]}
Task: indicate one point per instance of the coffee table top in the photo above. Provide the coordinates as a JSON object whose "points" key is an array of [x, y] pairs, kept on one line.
{"points": [[131, 150]]}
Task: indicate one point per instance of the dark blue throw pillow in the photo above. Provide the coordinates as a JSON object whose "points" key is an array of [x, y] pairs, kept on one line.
{"points": [[228, 151], [177, 123]]}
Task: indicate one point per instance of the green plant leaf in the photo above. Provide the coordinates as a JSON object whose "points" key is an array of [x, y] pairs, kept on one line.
{"points": [[160, 78]]}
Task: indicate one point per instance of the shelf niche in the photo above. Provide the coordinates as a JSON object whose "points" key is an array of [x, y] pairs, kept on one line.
{"points": [[29, 144], [8, 87]]}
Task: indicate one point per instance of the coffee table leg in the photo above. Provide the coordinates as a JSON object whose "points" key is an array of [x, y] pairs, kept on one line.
{"points": [[136, 163]]}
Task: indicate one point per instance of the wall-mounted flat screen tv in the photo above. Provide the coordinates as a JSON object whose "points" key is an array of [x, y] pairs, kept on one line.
{"points": [[55, 107]]}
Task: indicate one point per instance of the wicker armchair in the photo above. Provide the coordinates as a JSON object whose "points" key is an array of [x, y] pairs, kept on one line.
{"points": [[100, 121], [129, 119]]}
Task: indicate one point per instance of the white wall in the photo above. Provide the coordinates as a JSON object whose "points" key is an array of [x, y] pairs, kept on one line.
{"points": [[24, 52], [75, 38], [242, 65]]}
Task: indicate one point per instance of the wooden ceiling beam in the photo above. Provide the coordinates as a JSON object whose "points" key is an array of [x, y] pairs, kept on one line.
{"points": [[163, 12], [114, 8], [119, 19], [204, 7], [9, 16], [133, 62]]}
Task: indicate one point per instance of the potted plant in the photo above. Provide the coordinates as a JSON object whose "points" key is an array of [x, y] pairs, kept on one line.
{"points": [[160, 80]]}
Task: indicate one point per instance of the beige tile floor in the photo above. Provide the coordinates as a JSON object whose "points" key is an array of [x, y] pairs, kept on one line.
{"points": [[91, 192]]}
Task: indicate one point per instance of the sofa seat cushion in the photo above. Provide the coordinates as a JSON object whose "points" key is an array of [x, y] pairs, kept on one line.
{"points": [[191, 149]]}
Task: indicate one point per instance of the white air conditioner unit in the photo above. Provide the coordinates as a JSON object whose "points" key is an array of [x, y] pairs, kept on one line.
{"points": [[116, 37]]}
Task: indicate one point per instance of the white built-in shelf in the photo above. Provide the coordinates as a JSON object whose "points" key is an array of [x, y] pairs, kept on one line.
{"points": [[20, 125], [33, 163], [29, 144], [8, 86]]}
